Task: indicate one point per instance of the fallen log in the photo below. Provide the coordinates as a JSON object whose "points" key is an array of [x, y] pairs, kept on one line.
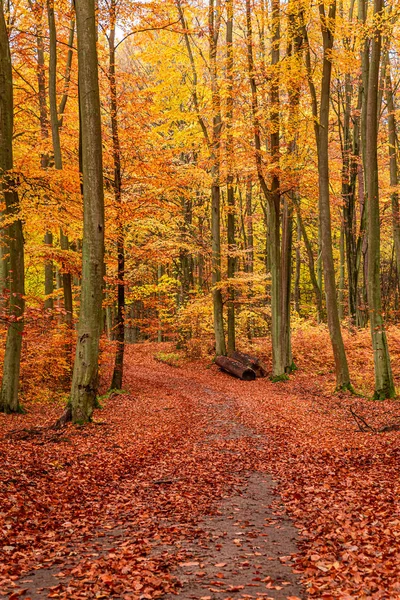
{"points": [[236, 368], [250, 361]]}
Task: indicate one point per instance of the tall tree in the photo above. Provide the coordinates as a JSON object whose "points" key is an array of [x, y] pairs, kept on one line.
{"points": [[55, 134], [12, 233], [214, 23], [85, 373], [321, 129], [394, 168], [116, 383], [271, 194], [213, 142], [37, 9], [384, 387], [229, 183]]}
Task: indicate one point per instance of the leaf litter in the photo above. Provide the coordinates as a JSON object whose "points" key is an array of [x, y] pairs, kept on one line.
{"points": [[110, 508]]}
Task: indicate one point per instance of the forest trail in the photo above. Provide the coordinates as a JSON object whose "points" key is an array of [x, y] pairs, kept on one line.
{"points": [[242, 550], [171, 490]]}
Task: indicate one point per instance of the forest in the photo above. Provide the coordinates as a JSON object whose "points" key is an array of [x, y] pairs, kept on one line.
{"points": [[199, 299]]}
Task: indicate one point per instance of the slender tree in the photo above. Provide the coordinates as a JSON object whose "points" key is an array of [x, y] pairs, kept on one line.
{"points": [[213, 141], [230, 185], [321, 129], [214, 23], [271, 194], [55, 134], [394, 168], [12, 233], [116, 383], [85, 373], [384, 387]]}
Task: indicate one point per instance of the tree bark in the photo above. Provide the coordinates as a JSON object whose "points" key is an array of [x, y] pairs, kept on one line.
{"points": [[214, 19], [249, 261], [85, 374], [48, 275], [311, 265], [384, 387], [12, 234], [321, 128], [394, 170], [229, 183], [116, 383], [272, 195], [37, 9], [297, 293], [214, 146], [57, 154]]}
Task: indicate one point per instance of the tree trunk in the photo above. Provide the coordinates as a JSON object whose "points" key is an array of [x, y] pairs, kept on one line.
{"points": [[48, 275], [297, 294], [116, 383], [279, 336], [287, 238], [85, 374], [55, 133], [362, 248], [272, 195], [229, 185], [12, 234], [37, 9], [214, 17], [322, 138], [341, 274], [311, 265], [249, 261], [394, 171], [384, 387]]}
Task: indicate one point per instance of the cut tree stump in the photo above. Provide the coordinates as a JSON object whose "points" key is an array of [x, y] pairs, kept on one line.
{"points": [[250, 361], [236, 368]]}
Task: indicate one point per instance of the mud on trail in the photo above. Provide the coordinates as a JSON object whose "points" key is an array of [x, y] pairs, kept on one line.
{"points": [[196, 485]]}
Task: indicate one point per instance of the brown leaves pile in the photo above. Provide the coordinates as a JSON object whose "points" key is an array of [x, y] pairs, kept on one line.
{"points": [[113, 502]]}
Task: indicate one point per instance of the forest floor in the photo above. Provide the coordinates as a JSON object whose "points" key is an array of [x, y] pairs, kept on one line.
{"points": [[192, 484]]}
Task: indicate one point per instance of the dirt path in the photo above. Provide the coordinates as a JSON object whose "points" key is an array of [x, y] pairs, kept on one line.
{"points": [[247, 551], [248, 546], [210, 516]]}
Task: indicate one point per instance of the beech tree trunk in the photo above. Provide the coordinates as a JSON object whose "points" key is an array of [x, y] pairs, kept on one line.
{"points": [[229, 185], [85, 374], [279, 337], [214, 20], [249, 260], [116, 383], [44, 131], [394, 171], [48, 274], [321, 128], [272, 195], [297, 275], [57, 154], [384, 387], [12, 234], [311, 266]]}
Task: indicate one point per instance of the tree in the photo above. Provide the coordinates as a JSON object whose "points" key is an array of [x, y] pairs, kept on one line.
{"points": [[384, 387], [116, 383], [55, 134], [229, 183], [281, 355], [12, 232], [321, 129], [214, 23], [85, 373]]}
